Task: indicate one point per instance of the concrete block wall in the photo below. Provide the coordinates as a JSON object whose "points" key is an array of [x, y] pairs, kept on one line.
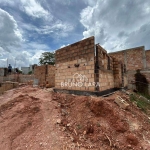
{"points": [[74, 63], [148, 58], [133, 58]]}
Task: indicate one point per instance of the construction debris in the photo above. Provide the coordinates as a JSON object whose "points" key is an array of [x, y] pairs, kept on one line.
{"points": [[121, 102]]}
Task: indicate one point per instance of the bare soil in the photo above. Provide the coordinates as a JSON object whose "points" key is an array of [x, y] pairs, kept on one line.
{"points": [[39, 119]]}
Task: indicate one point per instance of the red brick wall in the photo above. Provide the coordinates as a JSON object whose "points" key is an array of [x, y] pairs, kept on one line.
{"points": [[106, 80], [51, 75], [105, 74], [120, 56], [132, 58], [45, 73], [148, 58], [40, 73], [68, 58], [17, 78]]}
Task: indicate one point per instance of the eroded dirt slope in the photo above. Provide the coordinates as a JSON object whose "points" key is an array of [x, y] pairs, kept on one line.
{"points": [[38, 119]]}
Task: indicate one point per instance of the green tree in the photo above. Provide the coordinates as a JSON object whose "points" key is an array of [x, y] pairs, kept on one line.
{"points": [[47, 58]]}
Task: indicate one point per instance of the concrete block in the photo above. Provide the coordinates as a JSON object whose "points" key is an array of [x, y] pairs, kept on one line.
{"points": [[121, 102]]}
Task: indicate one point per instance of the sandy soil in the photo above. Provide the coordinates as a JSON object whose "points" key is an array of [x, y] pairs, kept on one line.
{"points": [[39, 119]]}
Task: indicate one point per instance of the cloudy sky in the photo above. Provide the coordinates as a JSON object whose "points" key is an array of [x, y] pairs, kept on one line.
{"points": [[30, 27]]}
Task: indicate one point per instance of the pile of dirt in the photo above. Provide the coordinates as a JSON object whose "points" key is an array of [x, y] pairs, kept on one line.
{"points": [[34, 118], [16, 116], [99, 123]]}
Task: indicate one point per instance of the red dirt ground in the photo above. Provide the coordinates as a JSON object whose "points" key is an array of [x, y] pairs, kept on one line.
{"points": [[39, 119]]}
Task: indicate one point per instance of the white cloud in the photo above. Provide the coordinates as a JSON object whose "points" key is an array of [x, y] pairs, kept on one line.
{"points": [[56, 29], [35, 46], [20, 59], [9, 32], [6, 2], [34, 9], [90, 2], [25, 58], [117, 24], [36, 56], [64, 46], [64, 2], [29, 54]]}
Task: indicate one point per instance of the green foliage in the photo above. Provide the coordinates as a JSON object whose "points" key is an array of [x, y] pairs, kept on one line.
{"points": [[20, 71], [30, 72], [142, 102], [47, 58]]}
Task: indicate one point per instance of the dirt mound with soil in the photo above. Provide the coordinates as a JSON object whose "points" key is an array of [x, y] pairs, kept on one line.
{"points": [[99, 123], [34, 118], [16, 117]]}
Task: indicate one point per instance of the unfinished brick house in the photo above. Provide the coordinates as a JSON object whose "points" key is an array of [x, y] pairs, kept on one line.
{"points": [[87, 67], [134, 59], [84, 64], [90, 66]]}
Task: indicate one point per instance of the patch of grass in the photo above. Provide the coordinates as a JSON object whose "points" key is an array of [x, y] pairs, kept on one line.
{"points": [[142, 102], [145, 95]]}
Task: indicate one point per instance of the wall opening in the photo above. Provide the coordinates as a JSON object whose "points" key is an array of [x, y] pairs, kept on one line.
{"points": [[141, 83]]}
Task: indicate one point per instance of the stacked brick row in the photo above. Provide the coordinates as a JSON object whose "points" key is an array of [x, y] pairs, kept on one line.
{"points": [[117, 73], [50, 77], [17, 78], [75, 64], [104, 60], [105, 69], [24, 78], [120, 56], [148, 58], [40, 73], [45, 75], [132, 58], [106, 80], [7, 86], [135, 58]]}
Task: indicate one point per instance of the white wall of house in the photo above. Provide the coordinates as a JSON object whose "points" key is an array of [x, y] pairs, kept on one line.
{"points": [[25, 70]]}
